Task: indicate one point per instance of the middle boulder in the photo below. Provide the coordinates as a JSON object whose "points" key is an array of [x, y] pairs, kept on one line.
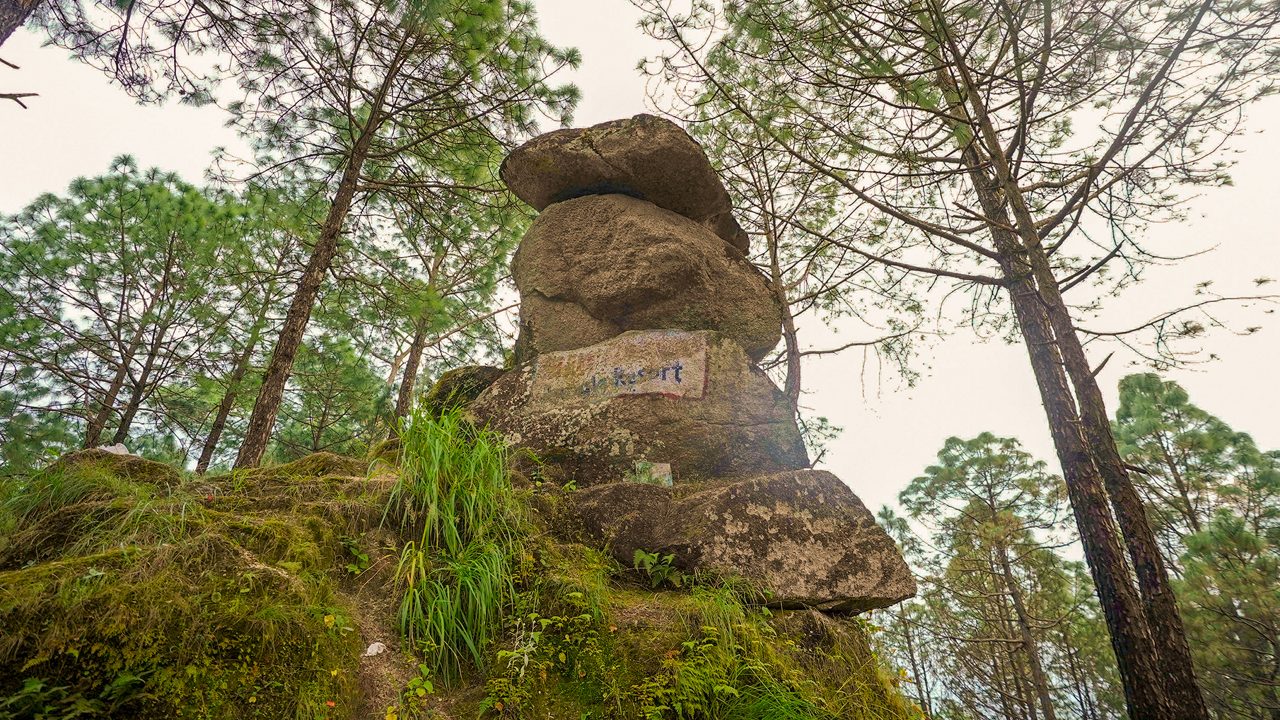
{"points": [[690, 399], [593, 267]]}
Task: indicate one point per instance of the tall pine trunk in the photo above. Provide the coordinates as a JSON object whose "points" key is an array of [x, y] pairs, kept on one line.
{"points": [[13, 15], [1021, 252], [404, 399], [267, 406], [1136, 653], [233, 385], [98, 423], [1164, 621], [1163, 617]]}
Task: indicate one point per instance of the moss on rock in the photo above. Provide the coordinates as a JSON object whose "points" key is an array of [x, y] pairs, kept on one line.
{"points": [[218, 598], [254, 595]]}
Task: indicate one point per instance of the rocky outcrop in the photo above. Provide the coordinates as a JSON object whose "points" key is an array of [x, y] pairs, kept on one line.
{"points": [[802, 537], [644, 156], [591, 268], [691, 399], [636, 377], [458, 387]]}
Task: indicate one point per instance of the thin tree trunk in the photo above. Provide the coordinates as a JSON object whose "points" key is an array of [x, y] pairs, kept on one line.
{"points": [[13, 15], [267, 406], [917, 669], [405, 397], [1180, 482], [139, 389], [791, 386], [93, 433], [233, 386], [1081, 683], [1039, 680]]}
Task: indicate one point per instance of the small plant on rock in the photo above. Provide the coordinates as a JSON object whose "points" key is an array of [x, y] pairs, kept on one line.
{"points": [[659, 569]]}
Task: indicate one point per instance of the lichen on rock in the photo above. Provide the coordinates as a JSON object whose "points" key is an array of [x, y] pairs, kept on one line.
{"points": [[801, 537]]}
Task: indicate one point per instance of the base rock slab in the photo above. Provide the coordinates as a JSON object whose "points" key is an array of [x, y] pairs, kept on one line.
{"points": [[803, 537]]}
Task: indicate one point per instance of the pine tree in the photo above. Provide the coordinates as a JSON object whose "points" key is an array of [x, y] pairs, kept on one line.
{"points": [[368, 103], [989, 139], [1214, 500]]}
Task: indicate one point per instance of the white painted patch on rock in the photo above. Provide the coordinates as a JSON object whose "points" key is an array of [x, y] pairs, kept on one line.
{"points": [[672, 364]]}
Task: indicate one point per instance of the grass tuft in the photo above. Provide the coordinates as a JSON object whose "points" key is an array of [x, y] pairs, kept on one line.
{"points": [[454, 498]]}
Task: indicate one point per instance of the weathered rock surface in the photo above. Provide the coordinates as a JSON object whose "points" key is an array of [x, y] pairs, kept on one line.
{"points": [[458, 387], [691, 399], [801, 536], [643, 156], [593, 267]]}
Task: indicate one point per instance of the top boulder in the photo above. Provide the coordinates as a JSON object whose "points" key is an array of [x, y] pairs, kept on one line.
{"points": [[644, 156]]}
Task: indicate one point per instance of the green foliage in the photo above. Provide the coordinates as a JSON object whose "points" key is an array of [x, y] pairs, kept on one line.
{"points": [[1214, 500], [359, 558], [581, 643], [658, 568], [39, 700], [454, 498], [336, 402], [128, 591], [990, 519]]}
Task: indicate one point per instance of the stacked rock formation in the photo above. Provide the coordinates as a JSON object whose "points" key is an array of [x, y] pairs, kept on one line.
{"points": [[641, 320]]}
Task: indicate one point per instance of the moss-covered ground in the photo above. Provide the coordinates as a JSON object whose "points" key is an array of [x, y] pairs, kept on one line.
{"points": [[128, 589]]}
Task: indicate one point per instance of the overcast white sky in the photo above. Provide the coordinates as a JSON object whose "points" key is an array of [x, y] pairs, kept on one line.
{"points": [[79, 122]]}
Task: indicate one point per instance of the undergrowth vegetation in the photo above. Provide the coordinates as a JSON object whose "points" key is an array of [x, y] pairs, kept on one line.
{"points": [[126, 594], [454, 499], [129, 590]]}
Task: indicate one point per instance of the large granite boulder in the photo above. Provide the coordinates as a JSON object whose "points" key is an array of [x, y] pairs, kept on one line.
{"points": [[802, 537], [593, 267], [691, 399], [643, 156]]}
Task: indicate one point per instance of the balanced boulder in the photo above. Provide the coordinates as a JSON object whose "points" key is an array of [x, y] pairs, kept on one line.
{"points": [[593, 267], [802, 537], [644, 156], [690, 399]]}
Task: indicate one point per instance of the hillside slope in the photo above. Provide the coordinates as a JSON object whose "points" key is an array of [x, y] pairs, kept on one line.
{"points": [[130, 590]]}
